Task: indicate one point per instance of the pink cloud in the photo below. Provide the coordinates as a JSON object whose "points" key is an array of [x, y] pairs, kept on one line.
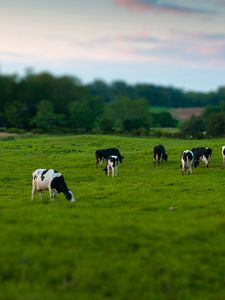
{"points": [[147, 5], [133, 4]]}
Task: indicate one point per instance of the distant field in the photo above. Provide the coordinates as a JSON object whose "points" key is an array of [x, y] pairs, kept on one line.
{"points": [[147, 234], [184, 114], [6, 134]]}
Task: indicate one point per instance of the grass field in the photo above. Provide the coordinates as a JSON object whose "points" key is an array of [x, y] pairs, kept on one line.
{"points": [[147, 234]]}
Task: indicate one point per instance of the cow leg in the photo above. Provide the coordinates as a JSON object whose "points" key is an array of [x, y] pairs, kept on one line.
{"points": [[206, 161], [34, 190], [113, 171], [32, 193], [52, 194], [183, 168], [190, 168], [107, 170], [101, 162], [40, 195], [116, 170], [159, 159]]}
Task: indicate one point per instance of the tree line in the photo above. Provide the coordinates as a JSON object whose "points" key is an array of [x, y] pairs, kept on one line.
{"points": [[46, 103]]}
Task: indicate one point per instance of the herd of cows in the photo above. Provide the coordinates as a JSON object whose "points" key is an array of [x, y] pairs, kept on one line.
{"points": [[188, 157], [53, 181]]}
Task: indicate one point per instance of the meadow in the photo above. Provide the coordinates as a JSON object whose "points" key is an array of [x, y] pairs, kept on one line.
{"points": [[148, 233]]}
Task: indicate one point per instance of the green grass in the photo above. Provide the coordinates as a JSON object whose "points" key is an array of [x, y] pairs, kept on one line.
{"points": [[149, 233]]}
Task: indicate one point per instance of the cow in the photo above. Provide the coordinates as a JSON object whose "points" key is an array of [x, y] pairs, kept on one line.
{"points": [[223, 154], [201, 154], [49, 179], [159, 154], [103, 154], [112, 163], [187, 159]]}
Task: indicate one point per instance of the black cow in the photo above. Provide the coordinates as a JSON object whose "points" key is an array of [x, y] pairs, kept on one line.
{"points": [[159, 154], [103, 154], [201, 154]]}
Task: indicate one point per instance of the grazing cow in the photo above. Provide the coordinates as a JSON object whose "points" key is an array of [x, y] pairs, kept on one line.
{"points": [[223, 154], [201, 154], [112, 163], [187, 158], [49, 179], [103, 154], [159, 154]]}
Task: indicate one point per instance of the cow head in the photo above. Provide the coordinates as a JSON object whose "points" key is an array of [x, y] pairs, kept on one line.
{"points": [[121, 158], [165, 156], [69, 196]]}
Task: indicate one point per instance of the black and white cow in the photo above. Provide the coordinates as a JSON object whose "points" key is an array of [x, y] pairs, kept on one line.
{"points": [[201, 154], [187, 159], [112, 164], [49, 179], [159, 154], [223, 154], [103, 154]]}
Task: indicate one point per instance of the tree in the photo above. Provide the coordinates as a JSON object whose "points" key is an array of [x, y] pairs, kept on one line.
{"points": [[100, 89], [106, 125], [15, 115], [210, 109], [216, 124], [193, 128], [164, 119], [83, 114], [129, 114], [46, 119]]}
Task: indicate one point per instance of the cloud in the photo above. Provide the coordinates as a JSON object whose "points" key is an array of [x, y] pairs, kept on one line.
{"points": [[213, 36], [184, 47], [200, 36], [147, 5], [187, 49], [140, 38]]}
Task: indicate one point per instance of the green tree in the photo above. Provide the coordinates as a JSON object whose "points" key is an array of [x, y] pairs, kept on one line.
{"points": [[216, 124], [15, 115], [83, 114], [164, 119], [46, 119], [129, 113], [193, 128], [106, 125]]}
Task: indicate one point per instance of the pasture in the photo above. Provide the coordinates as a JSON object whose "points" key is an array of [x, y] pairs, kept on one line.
{"points": [[149, 233]]}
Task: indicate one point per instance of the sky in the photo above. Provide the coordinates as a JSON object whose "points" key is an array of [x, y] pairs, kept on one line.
{"points": [[163, 42]]}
